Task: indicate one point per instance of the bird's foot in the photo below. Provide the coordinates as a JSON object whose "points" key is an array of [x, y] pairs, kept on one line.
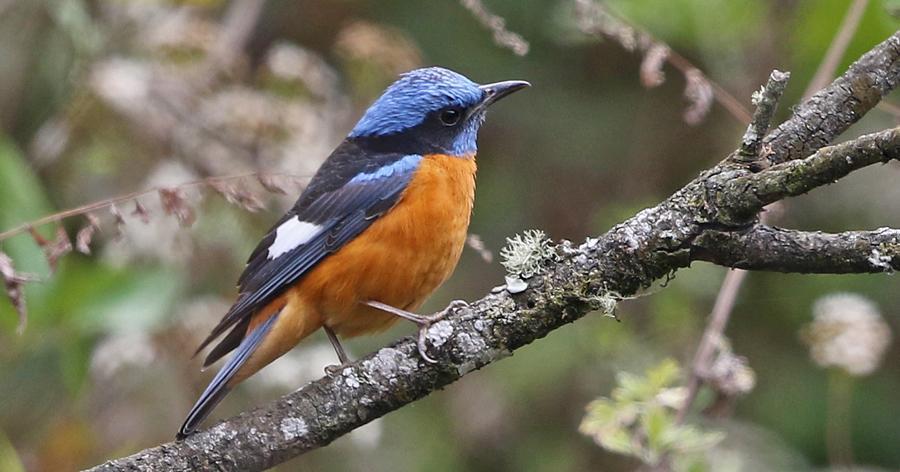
{"points": [[334, 369], [423, 322], [426, 322], [422, 346], [455, 305], [339, 350]]}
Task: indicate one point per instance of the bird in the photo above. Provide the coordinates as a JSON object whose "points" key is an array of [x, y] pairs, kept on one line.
{"points": [[380, 226]]}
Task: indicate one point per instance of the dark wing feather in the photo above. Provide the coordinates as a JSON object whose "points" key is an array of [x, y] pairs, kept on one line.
{"points": [[217, 389], [343, 211]]}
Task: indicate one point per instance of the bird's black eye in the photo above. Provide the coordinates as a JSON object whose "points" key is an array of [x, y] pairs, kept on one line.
{"points": [[450, 116]]}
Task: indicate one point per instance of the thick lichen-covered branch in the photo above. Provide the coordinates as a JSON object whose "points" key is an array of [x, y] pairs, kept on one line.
{"points": [[828, 113], [708, 219], [748, 194]]}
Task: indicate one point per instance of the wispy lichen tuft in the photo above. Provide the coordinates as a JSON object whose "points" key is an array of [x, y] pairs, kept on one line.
{"points": [[606, 303], [523, 253]]}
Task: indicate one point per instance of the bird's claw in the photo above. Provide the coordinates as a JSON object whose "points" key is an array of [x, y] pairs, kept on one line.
{"points": [[428, 321], [334, 369], [423, 347], [456, 305]]}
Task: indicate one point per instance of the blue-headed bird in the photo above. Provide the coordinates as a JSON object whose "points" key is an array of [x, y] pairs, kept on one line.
{"points": [[379, 227]]}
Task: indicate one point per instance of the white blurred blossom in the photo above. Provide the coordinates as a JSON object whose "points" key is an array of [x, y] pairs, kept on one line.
{"points": [[220, 124], [290, 62], [387, 48], [121, 350], [179, 29], [198, 315], [847, 332], [672, 397], [299, 366], [731, 374], [123, 83]]}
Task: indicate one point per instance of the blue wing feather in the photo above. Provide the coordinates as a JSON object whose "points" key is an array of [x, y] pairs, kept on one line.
{"points": [[342, 211], [218, 388]]}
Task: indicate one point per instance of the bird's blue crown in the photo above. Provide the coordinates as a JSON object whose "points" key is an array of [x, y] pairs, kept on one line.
{"points": [[414, 97]]}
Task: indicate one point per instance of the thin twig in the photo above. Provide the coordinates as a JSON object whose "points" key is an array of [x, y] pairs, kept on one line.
{"points": [[497, 25], [108, 202], [596, 19], [838, 47], [712, 335], [728, 101], [838, 437], [766, 101]]}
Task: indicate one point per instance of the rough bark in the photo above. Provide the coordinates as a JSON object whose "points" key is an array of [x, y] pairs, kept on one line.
{"points": [[712, 218], [783, 250]]}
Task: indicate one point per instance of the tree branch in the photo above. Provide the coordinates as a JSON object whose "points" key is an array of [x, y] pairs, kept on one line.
{"points": [[748, 194], [574, 280], [783, 250], [832, 110], [766, 101]]}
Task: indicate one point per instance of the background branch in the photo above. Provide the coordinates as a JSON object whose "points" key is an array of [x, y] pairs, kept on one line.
{"points": [[838, 46], [783, 250], [750, 193], [832, 110], [596, 19], [749, 151], [107, 203]]}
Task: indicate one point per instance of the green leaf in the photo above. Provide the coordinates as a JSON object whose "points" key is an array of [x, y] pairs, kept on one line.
{"points": [[9, 459], [114, 300], [692, 439], [631, 388], [22, 199], [618, 441], [663, 375], [600, 411], [656, 422]]}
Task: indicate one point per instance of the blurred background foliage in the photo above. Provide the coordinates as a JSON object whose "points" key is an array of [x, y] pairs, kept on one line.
{"points": [[104, 97]]}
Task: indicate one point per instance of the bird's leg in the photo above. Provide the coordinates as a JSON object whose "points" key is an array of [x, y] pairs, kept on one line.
{"points": [[338, 349], [423, 322]]}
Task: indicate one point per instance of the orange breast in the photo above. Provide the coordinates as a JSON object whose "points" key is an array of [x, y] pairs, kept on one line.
{"points": [[403, 257]]}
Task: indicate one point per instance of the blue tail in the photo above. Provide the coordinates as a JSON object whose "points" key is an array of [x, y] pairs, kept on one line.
{"points": [[218, 388]]}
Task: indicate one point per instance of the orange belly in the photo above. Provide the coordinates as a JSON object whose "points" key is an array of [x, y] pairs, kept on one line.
{"points": [[403, 256], [399, 260]]}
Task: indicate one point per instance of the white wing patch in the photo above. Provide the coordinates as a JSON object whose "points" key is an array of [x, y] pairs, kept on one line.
{"points": [[292, 234]]}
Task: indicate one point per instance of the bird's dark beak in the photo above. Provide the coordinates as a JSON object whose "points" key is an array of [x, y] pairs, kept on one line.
{"points": [[498, 90]]}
